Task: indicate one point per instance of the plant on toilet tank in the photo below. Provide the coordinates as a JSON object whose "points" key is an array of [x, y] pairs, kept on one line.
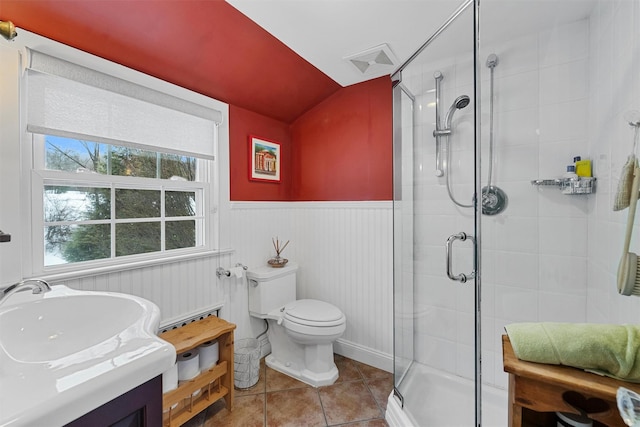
{"points": [[278, 261]]}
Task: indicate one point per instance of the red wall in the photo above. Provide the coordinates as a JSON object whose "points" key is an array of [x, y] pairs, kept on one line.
{"points": [[339, 150], [243, 123], [343, 146]]}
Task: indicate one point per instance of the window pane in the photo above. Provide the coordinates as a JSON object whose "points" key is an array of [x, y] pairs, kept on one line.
{"points": [[63, 203], [133, 162], [173, 166], [179, 203], [137, 238], [70, 155], [75, 243], [137, 203], [180, 234]]}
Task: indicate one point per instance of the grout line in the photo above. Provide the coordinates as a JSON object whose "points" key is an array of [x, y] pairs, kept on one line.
{"points": [[324, 414], [382, 410]]}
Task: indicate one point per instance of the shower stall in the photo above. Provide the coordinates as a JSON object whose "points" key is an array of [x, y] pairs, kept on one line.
{"points": [[502, 97]]}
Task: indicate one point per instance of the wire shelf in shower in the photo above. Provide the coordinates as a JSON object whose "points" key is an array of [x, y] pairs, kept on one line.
{"points": [[569, 186]]}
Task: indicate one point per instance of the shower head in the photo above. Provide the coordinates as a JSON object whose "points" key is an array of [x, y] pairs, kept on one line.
{"points": [[460, 102]]}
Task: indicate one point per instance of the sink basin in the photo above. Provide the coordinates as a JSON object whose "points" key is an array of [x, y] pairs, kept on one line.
{"points": [[52, 328], [71, 351]]}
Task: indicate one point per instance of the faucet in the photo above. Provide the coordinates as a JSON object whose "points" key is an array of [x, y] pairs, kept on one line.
{"points": [[37, 286]]}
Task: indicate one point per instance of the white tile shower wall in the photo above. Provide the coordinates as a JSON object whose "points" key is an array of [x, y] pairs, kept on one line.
{"points": [[536, 250], [344, 252], [614, 69], [535, 253]]}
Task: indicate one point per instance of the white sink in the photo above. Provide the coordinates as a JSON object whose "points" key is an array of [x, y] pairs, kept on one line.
{"points": [[65, 352]]}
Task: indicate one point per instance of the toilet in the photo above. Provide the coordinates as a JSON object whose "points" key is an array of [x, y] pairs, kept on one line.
{"points": [[301, 332]]}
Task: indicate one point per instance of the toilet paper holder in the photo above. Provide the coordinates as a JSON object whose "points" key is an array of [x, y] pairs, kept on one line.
{"points": [[220, 271]]}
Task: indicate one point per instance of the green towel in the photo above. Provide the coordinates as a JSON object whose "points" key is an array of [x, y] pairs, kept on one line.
{"points": [[612, 350]]}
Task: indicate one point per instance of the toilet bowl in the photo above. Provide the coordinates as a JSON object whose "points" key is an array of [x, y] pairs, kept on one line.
{"points": [[301, 332]]}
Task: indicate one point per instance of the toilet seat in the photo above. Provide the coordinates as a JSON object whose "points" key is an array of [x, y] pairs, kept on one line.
{"points": [[313, 313]]}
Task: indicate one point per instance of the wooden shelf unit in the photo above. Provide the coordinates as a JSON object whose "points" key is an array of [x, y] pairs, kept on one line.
{"points": [[180, 405]]}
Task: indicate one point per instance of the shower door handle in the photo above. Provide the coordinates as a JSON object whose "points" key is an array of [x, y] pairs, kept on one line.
{"points": [[462, 278]]}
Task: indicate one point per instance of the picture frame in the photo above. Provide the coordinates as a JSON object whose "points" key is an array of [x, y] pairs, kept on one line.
{"points": [[264, 160]]}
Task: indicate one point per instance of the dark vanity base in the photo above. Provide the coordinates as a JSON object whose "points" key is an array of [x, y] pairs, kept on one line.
{"points": [[140, 407]]}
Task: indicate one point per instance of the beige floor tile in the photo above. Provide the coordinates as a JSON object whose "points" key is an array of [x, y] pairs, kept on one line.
{"points": [[347, 370], [248, 411], [196, 421], [380, 389], [357, 399], [369, 372], [348, 402], [294, 408], [276, 381]]}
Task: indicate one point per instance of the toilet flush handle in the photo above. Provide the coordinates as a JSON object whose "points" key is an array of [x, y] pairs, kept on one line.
{"points": [[281, 318], [253, 283]]}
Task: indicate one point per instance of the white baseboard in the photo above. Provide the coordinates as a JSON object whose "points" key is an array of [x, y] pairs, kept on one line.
{"points": [[365, 355], [348, 349]]}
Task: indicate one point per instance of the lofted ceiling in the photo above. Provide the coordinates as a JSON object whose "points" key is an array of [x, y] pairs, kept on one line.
{"points": [[203, 45], [278, 58]]}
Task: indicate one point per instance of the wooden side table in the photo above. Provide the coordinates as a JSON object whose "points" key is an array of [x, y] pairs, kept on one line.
{"points": [[550, 388]]}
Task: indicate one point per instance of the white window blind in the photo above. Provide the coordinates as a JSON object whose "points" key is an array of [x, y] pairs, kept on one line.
{"points": [[70, 100]]}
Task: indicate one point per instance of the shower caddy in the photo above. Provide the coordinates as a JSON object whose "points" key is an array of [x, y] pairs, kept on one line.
{"points": [[570, 186]]}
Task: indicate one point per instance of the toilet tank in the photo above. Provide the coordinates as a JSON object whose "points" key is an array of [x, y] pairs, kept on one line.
{"points": [[271, 288]]}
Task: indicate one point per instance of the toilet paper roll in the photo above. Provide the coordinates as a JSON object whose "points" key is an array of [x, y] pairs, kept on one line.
{"points": [[188, 365], [236, 272], [208, 352], [170, 378]]}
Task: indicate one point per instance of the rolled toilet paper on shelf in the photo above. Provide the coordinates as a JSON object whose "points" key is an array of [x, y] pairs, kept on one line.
{"points": [[188, 365], [170, 378], [236, 272], [209, 354]]}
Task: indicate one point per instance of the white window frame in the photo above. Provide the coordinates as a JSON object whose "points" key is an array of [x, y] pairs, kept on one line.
{"points": [[41, 177], [34, 178]]}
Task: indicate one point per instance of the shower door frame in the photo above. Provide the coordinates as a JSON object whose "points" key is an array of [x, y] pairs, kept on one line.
{"points": [[398, 88]]}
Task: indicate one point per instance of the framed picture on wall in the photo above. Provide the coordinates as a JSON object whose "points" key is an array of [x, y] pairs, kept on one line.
{"points": [[264, 159]]}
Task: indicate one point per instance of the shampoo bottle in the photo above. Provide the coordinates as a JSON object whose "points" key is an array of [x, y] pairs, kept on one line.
{"points": [[583, 167], [570, 180]]}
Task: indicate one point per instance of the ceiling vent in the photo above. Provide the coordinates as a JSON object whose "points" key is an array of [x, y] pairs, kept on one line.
{"points": [[378, 60]]}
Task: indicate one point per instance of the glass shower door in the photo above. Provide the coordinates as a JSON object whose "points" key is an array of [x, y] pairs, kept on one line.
{"points": [[435, 287]]}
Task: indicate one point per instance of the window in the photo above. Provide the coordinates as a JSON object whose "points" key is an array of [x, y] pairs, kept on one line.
{"points": [[120, 172], [144, 202]]}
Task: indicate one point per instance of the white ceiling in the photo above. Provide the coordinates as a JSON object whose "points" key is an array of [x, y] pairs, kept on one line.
{"points": [[325, 32]]}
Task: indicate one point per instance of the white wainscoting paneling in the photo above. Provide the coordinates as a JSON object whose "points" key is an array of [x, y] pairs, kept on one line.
{"points": [[344, 251]]}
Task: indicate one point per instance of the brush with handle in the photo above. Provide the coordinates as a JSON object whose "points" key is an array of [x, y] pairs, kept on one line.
{"points": [[629, 269]]}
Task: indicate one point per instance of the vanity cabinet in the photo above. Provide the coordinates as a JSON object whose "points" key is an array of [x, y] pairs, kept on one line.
{"points": [[537, 391], [193, 396], [139, 407]]}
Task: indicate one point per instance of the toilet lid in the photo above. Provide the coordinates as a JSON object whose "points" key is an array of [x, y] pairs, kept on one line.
{"points": [[313, 312]]}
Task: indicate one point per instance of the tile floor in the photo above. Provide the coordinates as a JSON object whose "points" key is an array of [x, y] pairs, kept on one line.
{"points": [[357, 399]]}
